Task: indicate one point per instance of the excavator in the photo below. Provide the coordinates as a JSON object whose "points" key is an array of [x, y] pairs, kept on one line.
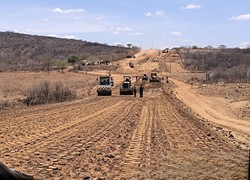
{"points": [[105, 84]]}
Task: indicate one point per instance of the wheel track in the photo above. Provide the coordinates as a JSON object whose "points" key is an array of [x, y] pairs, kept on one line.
{"points": [[36, 131], [41, 136], [167, 118], [43, 113], [42, 108], [196, 134], [140, 139], [160, 148], [92, 138], [104, 134], [108, 134]]}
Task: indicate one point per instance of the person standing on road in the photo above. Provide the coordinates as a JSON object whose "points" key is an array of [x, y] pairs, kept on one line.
{"points": [[141, 90], [135, 91]]}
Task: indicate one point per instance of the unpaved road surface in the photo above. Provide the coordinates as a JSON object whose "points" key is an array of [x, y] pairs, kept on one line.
{"points": [[118, 137], [214, 111]]}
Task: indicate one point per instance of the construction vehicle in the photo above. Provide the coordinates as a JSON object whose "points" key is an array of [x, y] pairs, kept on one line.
{"points": [[105, 84], [126, 87], [144, 77], [131, 65], [154, 77]]}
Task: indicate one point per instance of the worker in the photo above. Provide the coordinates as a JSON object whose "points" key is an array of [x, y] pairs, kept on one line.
{"points": [[141, 90], [134, 91]]}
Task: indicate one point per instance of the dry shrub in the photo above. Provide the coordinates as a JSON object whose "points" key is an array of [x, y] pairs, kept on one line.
{"points": [[5, 104], [49, 93]]}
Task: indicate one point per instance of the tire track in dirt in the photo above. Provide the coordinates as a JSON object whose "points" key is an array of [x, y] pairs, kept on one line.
{"points": [[98, 131], [108, 147], [192, 146], [96, 128], [197, 134], [140, 141], [75, 120], [46, 122], [124, 138]]}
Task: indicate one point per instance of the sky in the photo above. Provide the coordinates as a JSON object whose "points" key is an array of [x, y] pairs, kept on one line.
{"points": [[142, 23]]}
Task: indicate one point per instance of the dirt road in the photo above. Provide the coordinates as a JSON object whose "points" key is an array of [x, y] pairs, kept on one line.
{"points": [[118, 137], [211, 109]]}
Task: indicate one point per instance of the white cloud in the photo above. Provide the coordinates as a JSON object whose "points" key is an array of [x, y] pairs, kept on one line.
{"points": [[28, 30], [176, 33], [124, 29], [117, 30], [241, 17], [77, 17], [52, 35], [119, 44], [135, 34], [45, 19], [115, 33], [192, 6], [66, 36], [99, 18], [69, 37], [244, 45], [157, 13], [148, 14], [67, 11]]}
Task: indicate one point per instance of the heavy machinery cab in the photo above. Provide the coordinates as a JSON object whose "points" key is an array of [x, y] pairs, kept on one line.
{"points": [[106, 81], [126, 82], [126, 79]]}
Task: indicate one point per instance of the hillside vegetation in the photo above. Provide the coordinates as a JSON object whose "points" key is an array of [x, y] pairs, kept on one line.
{"points": [[31, 52], [226, 65]]}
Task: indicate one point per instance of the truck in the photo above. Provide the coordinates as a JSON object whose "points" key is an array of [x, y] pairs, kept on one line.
{"points": [[105, 84], [126, 87]]}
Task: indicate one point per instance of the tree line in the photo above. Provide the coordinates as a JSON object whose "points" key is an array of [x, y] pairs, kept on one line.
{"points": [[222, 64]]}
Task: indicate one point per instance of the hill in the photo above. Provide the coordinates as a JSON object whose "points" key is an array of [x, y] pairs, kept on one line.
{"points": [[31, 52], [227, 65]]}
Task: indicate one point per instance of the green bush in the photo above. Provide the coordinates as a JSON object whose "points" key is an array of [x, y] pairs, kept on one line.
{"points": [[73, 59]]}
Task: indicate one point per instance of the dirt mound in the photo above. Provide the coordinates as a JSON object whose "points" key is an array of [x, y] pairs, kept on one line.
{"points": [[236, 95]]}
